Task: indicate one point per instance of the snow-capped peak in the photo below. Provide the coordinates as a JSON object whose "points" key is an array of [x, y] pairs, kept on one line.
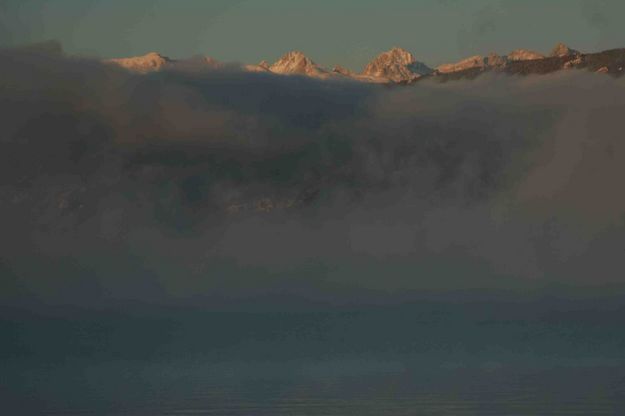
{"points": [[295, 62], [396, 65], [152, 61]]}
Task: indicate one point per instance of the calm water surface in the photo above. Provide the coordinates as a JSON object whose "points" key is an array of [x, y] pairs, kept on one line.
{"points": [[406, 360]]}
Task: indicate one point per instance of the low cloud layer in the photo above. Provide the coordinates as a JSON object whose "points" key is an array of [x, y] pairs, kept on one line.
{"points": [[192, 184]]}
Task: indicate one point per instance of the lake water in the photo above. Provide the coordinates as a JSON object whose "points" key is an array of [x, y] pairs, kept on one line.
{"points": [[432, 359]]}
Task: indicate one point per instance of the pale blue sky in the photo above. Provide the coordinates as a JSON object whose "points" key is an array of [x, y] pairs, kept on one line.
{"points": [[347, 32]]}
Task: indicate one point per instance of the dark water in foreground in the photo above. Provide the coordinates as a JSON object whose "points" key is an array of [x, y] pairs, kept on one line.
{"points": [[418, 359], [570, 391]]}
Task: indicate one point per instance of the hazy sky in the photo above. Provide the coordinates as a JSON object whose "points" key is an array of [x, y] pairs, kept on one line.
{"points": [[347, 32]]}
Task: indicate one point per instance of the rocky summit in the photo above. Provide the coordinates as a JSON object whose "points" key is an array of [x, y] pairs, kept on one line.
{"points": [[396, 65], [295, 62]]}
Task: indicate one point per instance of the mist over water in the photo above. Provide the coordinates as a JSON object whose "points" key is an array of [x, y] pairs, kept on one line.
{"points": [[222, 242]]}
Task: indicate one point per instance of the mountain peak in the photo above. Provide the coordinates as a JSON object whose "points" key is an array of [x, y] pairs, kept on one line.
{"points": [[295, 62], [396, 65], [402, 54], [563, 50], [151, 61], [397, 55], [295, 54]]}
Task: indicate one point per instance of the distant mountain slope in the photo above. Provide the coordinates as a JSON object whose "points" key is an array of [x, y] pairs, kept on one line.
{"points": [[475, 61], [609, 62]]}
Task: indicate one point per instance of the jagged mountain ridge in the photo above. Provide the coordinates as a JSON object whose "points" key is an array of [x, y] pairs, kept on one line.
{"points": [[398, 66]]}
